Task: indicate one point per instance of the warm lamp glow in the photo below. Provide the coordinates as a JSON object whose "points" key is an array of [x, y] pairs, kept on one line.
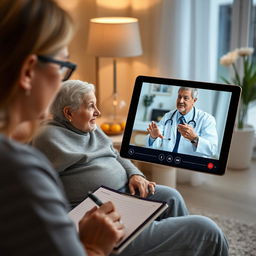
{"points": [[114, 20], [68, 5], [145, 5], [114, 37], [113, 4]]}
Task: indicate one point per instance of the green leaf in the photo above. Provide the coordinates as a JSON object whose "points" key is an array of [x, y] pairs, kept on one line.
{"points": [[237, 77], [225, 80], [234, 81]]}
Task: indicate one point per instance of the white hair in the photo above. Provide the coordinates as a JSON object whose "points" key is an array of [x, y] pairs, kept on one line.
{"points": [[71, 94], [194, 91]]}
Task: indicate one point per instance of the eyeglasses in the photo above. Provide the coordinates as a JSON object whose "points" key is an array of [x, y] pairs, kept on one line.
{"points": [[66, 68]]}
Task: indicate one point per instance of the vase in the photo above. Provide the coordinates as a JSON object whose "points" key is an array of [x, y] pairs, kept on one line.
{"points": [[241, 148], [114, 108], [114, 113]]}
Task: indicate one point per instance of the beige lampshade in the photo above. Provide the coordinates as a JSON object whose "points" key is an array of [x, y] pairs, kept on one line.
{"points": [[114, 37]]}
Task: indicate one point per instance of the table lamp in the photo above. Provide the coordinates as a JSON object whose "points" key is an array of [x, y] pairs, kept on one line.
{"points": [[114, 37]]}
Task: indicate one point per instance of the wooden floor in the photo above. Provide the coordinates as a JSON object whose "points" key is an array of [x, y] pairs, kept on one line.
{"points": [[233, 194]]}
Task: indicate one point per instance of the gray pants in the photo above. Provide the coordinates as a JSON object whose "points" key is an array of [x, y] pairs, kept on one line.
{"points": [[175, 233]]}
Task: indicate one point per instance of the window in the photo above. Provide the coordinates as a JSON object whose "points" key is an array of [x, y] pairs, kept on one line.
{"points": [[224, 37], [252, 40], [253, 30], [236, 28]]}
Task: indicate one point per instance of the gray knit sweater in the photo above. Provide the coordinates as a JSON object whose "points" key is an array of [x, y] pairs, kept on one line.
{"points": [[33, 215], [84, 160]]}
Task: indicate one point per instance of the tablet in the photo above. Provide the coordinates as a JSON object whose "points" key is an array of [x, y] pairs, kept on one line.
{"points": [[181, 123]]}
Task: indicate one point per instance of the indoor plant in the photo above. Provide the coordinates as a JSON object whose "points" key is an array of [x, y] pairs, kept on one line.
{"points": [[243, 138], [147, 101], [247, 80]]}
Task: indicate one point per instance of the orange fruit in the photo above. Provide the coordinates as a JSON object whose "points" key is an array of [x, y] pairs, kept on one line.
{"points": [[105, 127], [115, 128], [123, 125]]}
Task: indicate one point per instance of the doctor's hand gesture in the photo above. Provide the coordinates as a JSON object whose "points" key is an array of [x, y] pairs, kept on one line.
{"points": [[154, 131], [187, 131]]}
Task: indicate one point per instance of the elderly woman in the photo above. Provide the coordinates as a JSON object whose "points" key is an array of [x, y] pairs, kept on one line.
{"points": [[85, 158], [81, 153]]}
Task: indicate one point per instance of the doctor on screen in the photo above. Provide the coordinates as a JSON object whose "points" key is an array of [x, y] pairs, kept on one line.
{"points": [[185, 130]]}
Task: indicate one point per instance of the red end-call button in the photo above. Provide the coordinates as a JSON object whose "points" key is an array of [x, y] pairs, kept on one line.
{"points": [[210, 165]]}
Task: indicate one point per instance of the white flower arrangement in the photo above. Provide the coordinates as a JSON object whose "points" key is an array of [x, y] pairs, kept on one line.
{"points": [[229, 58], [247, 81]]}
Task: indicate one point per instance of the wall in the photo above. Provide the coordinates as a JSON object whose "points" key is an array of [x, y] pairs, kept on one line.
{"points": [[127, 68]]}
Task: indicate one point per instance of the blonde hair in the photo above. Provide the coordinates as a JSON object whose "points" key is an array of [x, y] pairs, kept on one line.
{"points": [[27, 27]]}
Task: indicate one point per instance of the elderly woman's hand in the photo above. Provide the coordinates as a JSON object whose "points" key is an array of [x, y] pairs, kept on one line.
{"points": [[144, 186]]}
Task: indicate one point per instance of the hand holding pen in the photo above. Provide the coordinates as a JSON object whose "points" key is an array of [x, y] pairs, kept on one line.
{"points": [[94, 198], [97, 201], [100, 229]]}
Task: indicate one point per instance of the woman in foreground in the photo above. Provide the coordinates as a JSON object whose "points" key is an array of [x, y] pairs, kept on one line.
{"points": [[33, 217]]}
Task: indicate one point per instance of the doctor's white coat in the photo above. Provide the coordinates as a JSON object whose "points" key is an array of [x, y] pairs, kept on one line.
{"points": [[205, 129]]}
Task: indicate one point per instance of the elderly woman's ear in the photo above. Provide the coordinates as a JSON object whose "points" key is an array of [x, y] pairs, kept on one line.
{"points": [[67, 113]]}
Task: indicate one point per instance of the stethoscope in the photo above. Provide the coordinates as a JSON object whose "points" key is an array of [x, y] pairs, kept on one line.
{"points": [[192, 122]]}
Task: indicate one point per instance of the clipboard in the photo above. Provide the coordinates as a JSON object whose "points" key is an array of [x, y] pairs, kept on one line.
{"points": [[136, 212]]}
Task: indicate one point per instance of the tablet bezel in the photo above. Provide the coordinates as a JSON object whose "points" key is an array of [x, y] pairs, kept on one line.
{"points": [[219, 164]]}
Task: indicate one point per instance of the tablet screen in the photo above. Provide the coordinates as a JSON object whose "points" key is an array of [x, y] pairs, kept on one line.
{"points": [[181, 123]]}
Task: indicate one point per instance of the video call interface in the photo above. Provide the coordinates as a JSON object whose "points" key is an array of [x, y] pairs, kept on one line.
{"points": [[180, 125]]}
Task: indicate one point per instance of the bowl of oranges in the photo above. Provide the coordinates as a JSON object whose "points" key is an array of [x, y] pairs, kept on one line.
{"points": [[113, 128]]}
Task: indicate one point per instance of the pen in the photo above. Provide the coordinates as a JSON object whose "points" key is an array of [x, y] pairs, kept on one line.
{"points": [[94, 198], [97, 201]]}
